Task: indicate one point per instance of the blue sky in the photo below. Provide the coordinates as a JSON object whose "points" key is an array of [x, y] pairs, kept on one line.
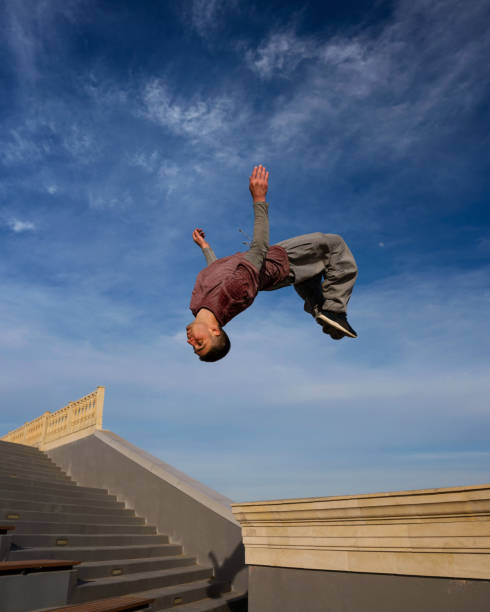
{"points": [[125, 125]]}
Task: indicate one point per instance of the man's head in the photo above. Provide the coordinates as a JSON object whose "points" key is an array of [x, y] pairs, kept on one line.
{"points": [[209, 342]]}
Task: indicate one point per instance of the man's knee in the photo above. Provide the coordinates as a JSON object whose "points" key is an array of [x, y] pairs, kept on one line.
{"points": [[334, 239], [339, 247]]}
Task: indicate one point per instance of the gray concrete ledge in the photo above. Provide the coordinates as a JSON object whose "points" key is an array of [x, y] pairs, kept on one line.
{"points": [[37, 590], [274, 589], [5, 541]]}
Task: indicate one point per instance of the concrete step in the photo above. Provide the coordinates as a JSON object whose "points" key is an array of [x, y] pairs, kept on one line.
{"points": [[40, 461], [11, 447], [86, 528], [105, 569], [187, 595], [52, 486], [48, 540], [225, 603], [91, 553], [24, 462], [10, 486], [27, 474], [39, 478], [10, 470], [73, 507], [118, 517], [62, 497], [133, 583], [229, 602], [43, 463]]}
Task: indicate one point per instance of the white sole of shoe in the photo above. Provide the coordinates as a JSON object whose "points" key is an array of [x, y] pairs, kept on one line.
{"points": [[322, 319]]}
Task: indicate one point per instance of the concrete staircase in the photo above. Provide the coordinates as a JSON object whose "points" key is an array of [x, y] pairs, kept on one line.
{"points": [[120, 554]]}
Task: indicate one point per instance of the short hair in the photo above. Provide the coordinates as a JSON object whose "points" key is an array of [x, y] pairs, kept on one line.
{"points": [[219, 349]]}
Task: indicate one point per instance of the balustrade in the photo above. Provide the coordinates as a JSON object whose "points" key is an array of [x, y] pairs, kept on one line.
{"points": [[81, 416]]}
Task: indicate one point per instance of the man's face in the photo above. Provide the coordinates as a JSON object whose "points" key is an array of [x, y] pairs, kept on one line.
{"points": [[199, 337]]}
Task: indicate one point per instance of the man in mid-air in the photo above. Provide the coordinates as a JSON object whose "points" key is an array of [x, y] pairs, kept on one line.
{"points": [[319, 266]]}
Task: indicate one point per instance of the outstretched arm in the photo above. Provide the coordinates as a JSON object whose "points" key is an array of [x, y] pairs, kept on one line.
{"points": [[199, 236], [258, 185]]}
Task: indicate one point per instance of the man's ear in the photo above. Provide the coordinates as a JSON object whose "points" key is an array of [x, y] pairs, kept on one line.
{"points": [[215, 331]]}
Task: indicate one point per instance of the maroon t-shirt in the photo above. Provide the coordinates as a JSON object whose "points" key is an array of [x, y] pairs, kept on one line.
{"points": [[229, 285]]}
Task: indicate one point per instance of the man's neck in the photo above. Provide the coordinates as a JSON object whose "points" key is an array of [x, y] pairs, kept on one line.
{"points": [[207, 317]]}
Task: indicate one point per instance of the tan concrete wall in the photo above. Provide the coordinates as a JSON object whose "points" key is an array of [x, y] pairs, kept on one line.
{"points": [[432, 532]]}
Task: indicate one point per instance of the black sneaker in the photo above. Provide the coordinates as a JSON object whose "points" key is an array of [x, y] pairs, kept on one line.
{"points": [[335, 334], [334, 321]]}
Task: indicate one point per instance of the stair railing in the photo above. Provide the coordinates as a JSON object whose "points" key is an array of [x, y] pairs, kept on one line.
{"points": [[76, 419]]}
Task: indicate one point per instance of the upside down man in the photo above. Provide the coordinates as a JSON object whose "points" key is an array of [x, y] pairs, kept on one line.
{"points": [[320, 267]]}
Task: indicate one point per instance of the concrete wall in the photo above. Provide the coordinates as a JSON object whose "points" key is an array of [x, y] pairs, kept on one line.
{"points": [[46, 589], [294, 590], [401, 551], [190, 513], [5, 541]]}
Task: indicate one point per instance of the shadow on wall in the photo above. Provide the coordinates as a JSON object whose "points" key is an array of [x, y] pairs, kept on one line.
{"points": [[224, 574]]}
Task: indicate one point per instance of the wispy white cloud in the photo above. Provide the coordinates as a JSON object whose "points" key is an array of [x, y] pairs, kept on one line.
{"points": [[197, 118], [49, 132], [26, 27], [280, 54], [103, 91], [206, 15], [18, 226], [80, 142], [147, 160], [22, 40], [379, 90], [166, 171], [483, 245], [19, 146], [109, 198]]}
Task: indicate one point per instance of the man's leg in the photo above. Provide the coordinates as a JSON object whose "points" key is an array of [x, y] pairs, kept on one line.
{"points": [[311, 292], [324, 272]]}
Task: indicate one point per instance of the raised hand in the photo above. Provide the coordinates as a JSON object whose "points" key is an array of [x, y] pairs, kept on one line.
{"points": [[199, 236], [258, 184]]}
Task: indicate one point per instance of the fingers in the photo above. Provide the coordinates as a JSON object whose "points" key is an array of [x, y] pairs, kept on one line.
{"points": [[258, 184], [260, 173], [198, 236]]}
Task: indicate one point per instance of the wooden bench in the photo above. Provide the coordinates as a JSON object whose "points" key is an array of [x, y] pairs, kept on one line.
{"points": [[5, 528], [126, 603], [35, 565]]}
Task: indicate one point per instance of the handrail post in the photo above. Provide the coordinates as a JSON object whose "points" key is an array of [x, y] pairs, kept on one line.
{"points": [[69, 417], [44, 427], [99, 406]]}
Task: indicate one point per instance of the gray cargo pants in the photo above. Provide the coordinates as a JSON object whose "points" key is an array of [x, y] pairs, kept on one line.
{"points": [[323, 270]]}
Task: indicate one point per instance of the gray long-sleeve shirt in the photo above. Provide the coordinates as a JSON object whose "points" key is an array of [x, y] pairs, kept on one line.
{"points": [[260, 243]]}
